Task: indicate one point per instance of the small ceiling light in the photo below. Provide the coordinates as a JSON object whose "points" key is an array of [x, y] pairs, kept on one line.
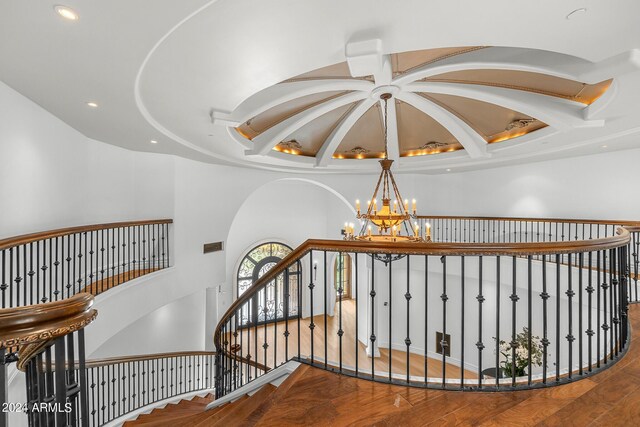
{"points": [[604, 146], [66, 12], [153, 141], [92, 104], [448, 170], [577, 13]]}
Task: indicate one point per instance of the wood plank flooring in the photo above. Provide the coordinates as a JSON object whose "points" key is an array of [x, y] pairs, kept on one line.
{"points": [[315, 397], [250, 339], [100, 286], [611, 398]]}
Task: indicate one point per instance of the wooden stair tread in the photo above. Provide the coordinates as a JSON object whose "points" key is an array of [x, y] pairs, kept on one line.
{"points": [[172, 412], [280, 391], [209, 418], [243, 410]]}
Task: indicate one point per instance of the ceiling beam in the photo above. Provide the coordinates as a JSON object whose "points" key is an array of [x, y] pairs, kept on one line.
{"points": [[473, 143], [491, 59], [560, 113], [263, 143], [330, 145], [285, 92]]}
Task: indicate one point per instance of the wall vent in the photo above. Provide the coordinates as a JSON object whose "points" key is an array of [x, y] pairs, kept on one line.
{"points": [[212, 247]]}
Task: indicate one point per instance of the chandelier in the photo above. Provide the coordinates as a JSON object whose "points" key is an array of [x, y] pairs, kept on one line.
{"points": [[391, 220]]}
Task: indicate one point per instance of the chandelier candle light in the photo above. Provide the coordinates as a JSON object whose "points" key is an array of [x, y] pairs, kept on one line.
{"points": [[392, 223]]}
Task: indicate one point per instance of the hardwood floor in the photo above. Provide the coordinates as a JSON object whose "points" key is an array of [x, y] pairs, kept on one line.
{"points": [[247, 341], [100, 286], [315, 397], [611, 398]]}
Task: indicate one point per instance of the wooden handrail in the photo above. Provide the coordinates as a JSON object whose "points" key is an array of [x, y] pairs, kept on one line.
{"points": [[124, 359], [12, 242], [624, 223], [621, 238], [43, 322]]}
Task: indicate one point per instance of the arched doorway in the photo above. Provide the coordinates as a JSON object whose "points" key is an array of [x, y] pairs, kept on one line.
{"points": [[279, 300]]}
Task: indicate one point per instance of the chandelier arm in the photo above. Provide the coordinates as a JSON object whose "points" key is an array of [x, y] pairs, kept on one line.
{"points": [[399, 196], [370, 207]]}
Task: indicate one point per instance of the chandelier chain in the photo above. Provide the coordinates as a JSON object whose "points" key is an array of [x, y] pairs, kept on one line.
{"points": [[386, 154]]}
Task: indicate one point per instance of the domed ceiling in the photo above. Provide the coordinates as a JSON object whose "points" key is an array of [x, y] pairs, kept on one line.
{"points": [[295, 87], [434, 111]]}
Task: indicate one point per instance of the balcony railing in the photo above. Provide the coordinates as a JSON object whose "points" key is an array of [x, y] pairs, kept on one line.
{"points": [[120, 385], [54, 265], [481, 309]]}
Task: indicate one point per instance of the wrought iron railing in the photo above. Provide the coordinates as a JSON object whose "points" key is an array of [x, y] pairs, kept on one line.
{"points": [[534, 230], [54, 265], [118, 386], [501, 315]]}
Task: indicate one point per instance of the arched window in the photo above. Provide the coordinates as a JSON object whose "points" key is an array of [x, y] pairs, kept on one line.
{"points": [[278, 297]]}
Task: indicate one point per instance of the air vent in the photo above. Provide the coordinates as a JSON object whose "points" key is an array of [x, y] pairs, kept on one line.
{"points": [[212, 247]]}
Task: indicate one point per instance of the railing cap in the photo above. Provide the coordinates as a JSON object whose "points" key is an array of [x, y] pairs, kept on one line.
{"points": [[12, 242], [40, 323]]}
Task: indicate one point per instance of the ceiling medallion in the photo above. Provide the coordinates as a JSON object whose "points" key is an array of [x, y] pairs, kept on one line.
{"points": [[391, 221], [359, 150], [433, 145], [519, 124], [291, 145]]}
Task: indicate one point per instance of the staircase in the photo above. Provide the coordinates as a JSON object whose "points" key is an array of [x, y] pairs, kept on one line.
{"points": [[192, 412]]}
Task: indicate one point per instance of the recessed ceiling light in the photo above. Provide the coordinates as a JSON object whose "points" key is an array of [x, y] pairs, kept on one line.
{"points": [[448, 170], [66, 12], [92, 104], [153, 141], [577, 13], [604, 146]]}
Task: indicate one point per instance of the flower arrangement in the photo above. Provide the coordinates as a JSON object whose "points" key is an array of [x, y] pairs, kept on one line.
{"points": [[521, 361]]}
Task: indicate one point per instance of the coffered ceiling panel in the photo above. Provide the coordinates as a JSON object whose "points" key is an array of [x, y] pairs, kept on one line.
{"points": [[419, 134], [365, 139], [533, 82], [311, 136], [492, 122]]}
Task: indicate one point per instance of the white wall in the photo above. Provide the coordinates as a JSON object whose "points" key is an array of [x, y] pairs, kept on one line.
{"points": [[157, 331], [52, 176], [598, 186]]}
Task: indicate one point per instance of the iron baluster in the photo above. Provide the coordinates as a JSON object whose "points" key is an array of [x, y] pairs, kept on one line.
{"points": [[545, 339], [529, 309], [372, 338], [357, 300], [514, 300], [444, 298], [462, 310], [408, 298], [390, 334], [479, 343], [325, 334], [497, 350]]}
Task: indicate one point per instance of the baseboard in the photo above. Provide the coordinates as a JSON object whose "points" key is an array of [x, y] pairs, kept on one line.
{"points": [[272, 376]]}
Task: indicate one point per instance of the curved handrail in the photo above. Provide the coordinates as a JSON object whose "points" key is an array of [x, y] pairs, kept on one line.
{"points": [[624, 223], [53, 265], [438, 249], [24, 239], [43, 322], [94, 363]]}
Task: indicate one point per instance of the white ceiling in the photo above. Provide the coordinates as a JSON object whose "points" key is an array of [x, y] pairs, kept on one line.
{"points": [[158, 68]]}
